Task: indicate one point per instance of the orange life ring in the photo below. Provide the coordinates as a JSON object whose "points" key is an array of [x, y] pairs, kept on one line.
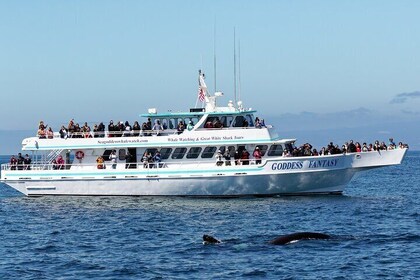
{"points": [[80, 155]]}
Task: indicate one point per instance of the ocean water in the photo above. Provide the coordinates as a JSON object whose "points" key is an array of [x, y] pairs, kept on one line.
{"points": [[375, 226]]}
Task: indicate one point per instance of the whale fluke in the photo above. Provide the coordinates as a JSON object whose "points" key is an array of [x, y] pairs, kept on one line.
{"points": [[285, 239], [208, 239]]}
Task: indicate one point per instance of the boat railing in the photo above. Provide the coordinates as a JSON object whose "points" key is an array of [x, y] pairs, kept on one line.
{"points": [[134, 133], [179, 165]]}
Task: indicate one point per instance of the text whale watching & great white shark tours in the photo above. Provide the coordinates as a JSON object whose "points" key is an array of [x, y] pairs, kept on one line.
{"points": [[208, 151]]}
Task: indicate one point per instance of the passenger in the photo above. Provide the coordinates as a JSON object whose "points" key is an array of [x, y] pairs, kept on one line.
{"points": [[71, 128], [78, 131], [262, 123], [50, 133], [391, 142], [400, 145], [370, 148], [257, 122], [219, 161], [101, 130], [245, 157], [128, 160], [42, 125], [190, 126], [86, 131], [113, 159], [383, 147], [136, 128], [218, 124], [351, 147], [127, 129], [376, 146], [164, 124], [27, 162], [111, 128], [120, 129], [315, 152], [180, 128], [208, 124], [227, 157], [42, 133], [245, 123], [150, 160], [63, 132], [237, 158], [149, 124], [13, 163], [157, 127], [100, 162], [307, 150], [95, 131], [323, 152], [145, 130], [365, 148], [358, 147], [257, 155], [20, 161], [59, 162], [145, 159], [157, 158]]}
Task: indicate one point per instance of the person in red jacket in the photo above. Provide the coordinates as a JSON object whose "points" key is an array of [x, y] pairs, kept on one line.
{"points": [[257, 155]]}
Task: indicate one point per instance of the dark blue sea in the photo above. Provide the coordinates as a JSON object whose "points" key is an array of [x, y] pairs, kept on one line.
{"points": [[375, 226]]}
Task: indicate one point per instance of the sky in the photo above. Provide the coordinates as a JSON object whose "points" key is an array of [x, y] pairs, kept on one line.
{"points": [[309, 61]]}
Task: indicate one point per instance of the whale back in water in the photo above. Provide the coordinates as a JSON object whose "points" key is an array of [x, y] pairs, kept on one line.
{"points": [[285, 239], [208, 239]]}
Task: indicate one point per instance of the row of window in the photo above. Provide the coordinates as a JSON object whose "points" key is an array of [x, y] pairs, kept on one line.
{"points": [[196, 152], [226, 121]]}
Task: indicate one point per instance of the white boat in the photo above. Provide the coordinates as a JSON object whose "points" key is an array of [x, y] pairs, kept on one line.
{"points": [[190, 163]]}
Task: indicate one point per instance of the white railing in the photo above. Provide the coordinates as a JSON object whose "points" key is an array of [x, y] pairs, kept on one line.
{"points": [[124, 165]]}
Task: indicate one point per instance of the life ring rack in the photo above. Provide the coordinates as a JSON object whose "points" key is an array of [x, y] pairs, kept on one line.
{"points": [[80, 155]]}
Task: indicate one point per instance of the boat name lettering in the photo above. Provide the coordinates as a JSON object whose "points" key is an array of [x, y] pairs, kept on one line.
{"points": [[125, 141], [323, 163], [287, 165]]}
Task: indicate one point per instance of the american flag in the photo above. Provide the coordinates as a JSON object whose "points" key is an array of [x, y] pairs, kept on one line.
{"points": [[202, 88]]}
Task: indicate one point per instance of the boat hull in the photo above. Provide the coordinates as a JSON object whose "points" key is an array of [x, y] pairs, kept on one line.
{"points": [[285, 176], [264, 185]]}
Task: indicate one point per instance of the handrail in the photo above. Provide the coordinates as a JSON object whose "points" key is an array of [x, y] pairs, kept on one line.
{"points": [[136, 133], [128, 165]]}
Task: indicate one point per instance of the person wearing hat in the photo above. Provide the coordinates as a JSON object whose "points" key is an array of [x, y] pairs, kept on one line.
{"points": [[190, 126], [219, 161], [257, 155]]}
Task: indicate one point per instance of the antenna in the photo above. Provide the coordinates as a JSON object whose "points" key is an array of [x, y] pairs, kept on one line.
{"points": [[239, 69], [234, 64], [214, 51]]}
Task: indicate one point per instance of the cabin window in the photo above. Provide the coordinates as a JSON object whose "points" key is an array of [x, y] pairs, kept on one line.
{"points": [[151, 151], [121, 154], [106, 155], [179, 153], [239, 121], [231, 150], [165, 153], [263, 149], [172, 123], [194, 152], [226, 121], [208, 152], [250, 120], [194, 120], [275, 150], [165, 123]]}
